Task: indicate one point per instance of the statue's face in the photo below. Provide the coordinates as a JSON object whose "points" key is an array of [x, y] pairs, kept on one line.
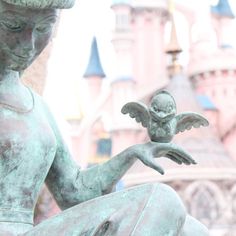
{"points": [[162, 107], [24, 33]]}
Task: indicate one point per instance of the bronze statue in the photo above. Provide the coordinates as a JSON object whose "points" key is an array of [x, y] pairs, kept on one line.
{"points": [[160, 118], [32, 152]]}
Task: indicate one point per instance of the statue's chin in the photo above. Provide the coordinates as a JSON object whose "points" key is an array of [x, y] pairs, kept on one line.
{"points": [[19, 67], [17, 64]]}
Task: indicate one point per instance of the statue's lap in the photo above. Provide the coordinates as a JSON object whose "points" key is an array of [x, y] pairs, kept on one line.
{"points": [[143, 210]]}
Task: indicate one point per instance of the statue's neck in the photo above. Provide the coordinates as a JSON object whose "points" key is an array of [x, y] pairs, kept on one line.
{"points": [[9, 78], [13, 93]]}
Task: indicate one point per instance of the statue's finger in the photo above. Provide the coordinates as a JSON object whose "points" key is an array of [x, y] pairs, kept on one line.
{"points": [[152, 164], [160, 149], [189, 158], [183, 154], [173, 158], [180, 158]]}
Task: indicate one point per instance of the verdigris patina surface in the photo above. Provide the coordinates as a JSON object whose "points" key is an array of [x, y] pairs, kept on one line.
{"points": [[32, 152]]}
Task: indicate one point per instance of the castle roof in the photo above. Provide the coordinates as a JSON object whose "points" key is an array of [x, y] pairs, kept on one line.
{"points": [[121, 2], [206, 103], [222, 9], [94, 67]]}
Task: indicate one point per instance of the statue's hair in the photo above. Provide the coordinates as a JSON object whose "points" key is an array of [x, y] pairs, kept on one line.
{"points": [[42, 4], [164, 92]]}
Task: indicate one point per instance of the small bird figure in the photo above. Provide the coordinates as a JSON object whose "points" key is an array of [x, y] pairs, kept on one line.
{"points": [[160, 118]]}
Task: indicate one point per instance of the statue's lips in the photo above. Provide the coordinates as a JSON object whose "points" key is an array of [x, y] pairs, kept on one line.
{"points": [[21, 58]]}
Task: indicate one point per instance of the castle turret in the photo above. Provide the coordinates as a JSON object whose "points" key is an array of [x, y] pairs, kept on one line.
{"points": [[123, 40], [94, 72], [82, 138], [222, 9], [173, 48], [148, 23], [222, 16], [123, 86]]}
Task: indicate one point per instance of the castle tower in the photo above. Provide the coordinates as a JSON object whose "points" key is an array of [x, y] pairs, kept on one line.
{"points": [[148, 24], [94, 72], [173, 48], [124, 85], [216, 79], [123, 40], [222, 16], [82, 139]]}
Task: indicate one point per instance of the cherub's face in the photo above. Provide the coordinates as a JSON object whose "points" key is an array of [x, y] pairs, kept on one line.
{"points": [[162, 107], [24, 33]]}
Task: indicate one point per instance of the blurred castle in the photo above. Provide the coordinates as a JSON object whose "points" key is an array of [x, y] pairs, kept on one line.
{"points": [[146, 64]]}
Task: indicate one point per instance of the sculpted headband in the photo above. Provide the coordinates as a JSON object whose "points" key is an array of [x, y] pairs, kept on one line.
{"points": [[42, 4]]}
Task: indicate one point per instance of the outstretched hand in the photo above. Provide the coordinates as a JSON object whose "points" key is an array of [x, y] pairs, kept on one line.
{"points": [[148, 151]]}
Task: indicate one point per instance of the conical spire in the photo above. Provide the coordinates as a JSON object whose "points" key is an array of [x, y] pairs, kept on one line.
{"points": [[222, 9], [94, 67], [173, 48]]}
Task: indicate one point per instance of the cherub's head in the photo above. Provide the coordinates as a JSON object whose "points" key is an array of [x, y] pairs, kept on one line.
{"points": [[163, 107], [25, 29]]}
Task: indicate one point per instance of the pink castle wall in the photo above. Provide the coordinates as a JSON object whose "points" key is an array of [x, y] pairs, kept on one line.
{"points": [[149, 60], [213, 71]]}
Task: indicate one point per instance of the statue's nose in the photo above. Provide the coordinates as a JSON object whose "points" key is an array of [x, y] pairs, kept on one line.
{"points": [[28, 42]]}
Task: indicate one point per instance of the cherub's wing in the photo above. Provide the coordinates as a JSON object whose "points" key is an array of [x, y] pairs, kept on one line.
{"points": [[137, 110], [188, 120]]}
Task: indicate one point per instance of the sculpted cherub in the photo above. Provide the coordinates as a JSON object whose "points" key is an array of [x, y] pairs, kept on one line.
{"points": [[160, 118]]}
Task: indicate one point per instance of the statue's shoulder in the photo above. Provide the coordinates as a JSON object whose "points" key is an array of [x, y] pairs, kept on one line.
{"points": [[41, 105]]}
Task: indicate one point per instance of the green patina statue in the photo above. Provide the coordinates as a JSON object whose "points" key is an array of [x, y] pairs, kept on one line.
{"points": [[160, 118], [33, 152]]}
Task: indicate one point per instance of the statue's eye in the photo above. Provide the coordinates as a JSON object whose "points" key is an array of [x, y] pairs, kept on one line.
{"points": [[44, 28], [13, 25], [169, 109], [155, 108]]}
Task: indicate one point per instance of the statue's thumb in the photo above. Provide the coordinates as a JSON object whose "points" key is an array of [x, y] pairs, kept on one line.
{"points": [[152, 164]]}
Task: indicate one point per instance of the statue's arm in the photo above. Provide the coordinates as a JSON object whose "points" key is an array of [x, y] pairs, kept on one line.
{"points": [[71, 186]]}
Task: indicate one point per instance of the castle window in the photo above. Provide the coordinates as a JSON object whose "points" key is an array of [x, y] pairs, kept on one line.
{"points": [[104, 146], [122, 21], [204, 205]]}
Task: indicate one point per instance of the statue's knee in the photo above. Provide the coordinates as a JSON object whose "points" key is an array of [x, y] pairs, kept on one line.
{"points": [[167, 209], [169, 199], [193, 227]]}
